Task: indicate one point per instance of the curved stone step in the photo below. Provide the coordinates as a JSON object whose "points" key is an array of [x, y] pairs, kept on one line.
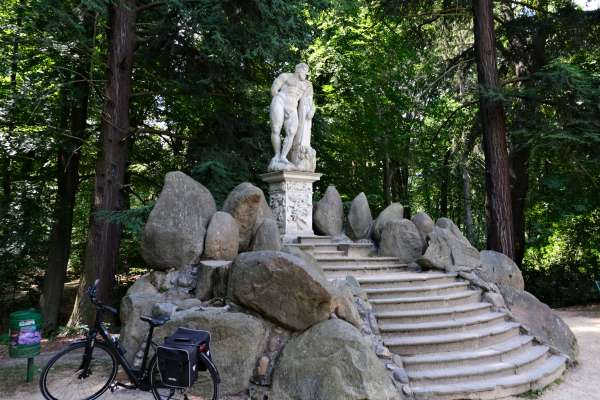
{"points": [[414, 291], [407, 279], [494, 388], [513, 365], [455, 359], [442, 327], [427, 302], [354, 261], [314, 247], [433, 314], [475, 339], [358, 270], [327, 253]]}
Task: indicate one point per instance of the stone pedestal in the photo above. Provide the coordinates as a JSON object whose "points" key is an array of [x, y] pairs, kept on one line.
{"points": [[290, 198]]}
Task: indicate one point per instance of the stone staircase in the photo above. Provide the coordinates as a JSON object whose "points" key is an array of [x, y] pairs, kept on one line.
{"points": [[453, 345]]}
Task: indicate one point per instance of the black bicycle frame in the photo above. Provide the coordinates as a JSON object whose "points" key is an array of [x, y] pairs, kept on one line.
{"points": [[140, 378]]}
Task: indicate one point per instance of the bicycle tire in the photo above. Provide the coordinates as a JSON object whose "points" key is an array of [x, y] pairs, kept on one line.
{"points": [[103, 367], [156, 385]]}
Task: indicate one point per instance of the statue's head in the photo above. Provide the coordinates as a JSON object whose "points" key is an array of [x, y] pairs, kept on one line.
{"points": [[302, 71]]}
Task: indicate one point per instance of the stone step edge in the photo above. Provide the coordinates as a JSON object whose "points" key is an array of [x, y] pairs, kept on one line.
{"points": [[457, 356], [425, 299], [512, 363], [455, 323], [550, 367], [356, 258], [417, 288], [410, 277], [433, 311], [454, 337]]}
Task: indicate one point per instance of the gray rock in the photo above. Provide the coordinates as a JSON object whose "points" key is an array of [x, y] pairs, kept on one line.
{"points": [[494, 299], [423, 222], [498, 268], [247, 204], [401, 238], [134, 330], [212, 279], [267, 237], [304, 255], [393, 212], [342, 303], [237, 341], [331, 361], [448, 249], [540, 320], [222, 237], [144, 284], [164, 310], [359, 218], [281, 287], [174, 233], [328, 215]]}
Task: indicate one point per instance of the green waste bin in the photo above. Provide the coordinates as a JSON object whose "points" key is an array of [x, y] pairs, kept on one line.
{"points": [[25, 337]]}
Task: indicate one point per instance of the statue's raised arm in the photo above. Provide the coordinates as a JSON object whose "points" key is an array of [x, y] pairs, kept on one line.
{"points": [[291, 105]]}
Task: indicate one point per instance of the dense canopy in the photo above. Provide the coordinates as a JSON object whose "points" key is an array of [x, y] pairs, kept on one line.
{"points": [[401, 116]]}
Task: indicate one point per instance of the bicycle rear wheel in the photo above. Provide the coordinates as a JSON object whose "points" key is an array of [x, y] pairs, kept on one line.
{"points": [[205, 388], [64, 379]]}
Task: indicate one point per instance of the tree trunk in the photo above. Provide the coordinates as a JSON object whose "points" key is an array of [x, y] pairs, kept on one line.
{"points": [[444, 184], [102, 248], [500, 224], [387, 179], [520, 151], [69, 155]]}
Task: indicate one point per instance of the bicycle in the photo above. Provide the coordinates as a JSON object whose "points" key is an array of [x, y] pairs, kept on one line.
{"points": [[88, 368]]}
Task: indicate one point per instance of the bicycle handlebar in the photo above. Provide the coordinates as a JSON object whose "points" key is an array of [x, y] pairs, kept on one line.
{"points": [[91, 291]]}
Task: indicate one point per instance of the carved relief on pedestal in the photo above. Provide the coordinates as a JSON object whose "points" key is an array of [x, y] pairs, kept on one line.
{"points": [[290, 198]]}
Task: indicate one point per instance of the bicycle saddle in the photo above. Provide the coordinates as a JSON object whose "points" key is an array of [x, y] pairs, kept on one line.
{"points": [[155, 321]]}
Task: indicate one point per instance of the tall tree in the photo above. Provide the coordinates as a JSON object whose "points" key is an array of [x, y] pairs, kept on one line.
{"points": [[499, 214], [104, 236], [67, 170]]}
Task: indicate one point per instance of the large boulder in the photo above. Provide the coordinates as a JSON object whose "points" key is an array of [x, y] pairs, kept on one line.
{"points": [[498, 268], [267, 237], [423, 222], [174, 234], [237, 341], [133, 329], [359, 218], [247, 204], [393, 212], [282, 287], [540, 320], [328, 215], [331, 361], [400, 238], [222, 237], [448, 249]]}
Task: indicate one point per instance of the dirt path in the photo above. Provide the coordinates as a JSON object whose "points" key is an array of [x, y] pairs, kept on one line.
{"points": [[578, 384]]}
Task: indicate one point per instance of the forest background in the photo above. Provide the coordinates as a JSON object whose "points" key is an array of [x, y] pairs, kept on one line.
{"points": [[398, 118]]}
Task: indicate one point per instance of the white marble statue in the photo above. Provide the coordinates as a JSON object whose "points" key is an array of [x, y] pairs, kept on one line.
{"points": [[292, 108]]}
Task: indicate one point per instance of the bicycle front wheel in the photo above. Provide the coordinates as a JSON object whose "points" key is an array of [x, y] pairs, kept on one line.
{"points": [[64, 377], [205, 388]]}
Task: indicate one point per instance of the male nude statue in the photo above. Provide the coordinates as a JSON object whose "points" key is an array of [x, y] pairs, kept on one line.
{"points": [[287, 90]]}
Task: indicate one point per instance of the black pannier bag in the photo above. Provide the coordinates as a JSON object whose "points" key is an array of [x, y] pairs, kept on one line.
{"points": [[178, 357]]}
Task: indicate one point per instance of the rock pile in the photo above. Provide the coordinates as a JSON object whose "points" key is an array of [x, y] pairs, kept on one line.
{"points": [[273, 316], [280, 329]]}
